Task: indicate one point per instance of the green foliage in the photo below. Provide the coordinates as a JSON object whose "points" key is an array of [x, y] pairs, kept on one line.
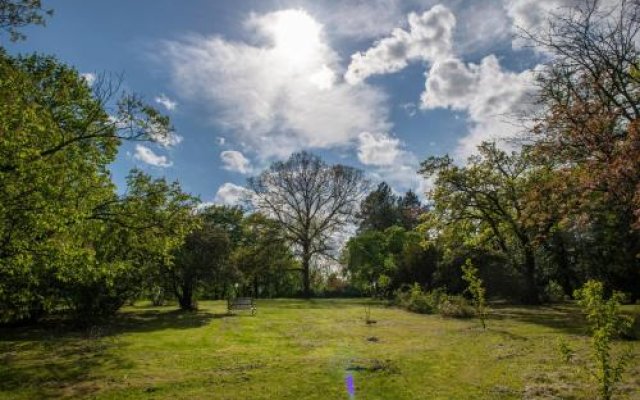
{"points": [[381, 210], [388, 259], [67, 240], [554, 293], [16, 14], [455, 307], [477, 291], [480, 206], [606, 323], [435, 301]]}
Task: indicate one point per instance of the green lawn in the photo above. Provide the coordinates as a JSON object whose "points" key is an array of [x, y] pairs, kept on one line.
{"points": [[295, 349]]}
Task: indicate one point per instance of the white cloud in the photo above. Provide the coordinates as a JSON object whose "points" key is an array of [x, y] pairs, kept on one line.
{"points": [[378, 149], [532, 16], [235, 161], [147, 155], [89, 77], [231, 194], [164, 137], [281, 93], [429, 38], [166, 102], [491, 95]]}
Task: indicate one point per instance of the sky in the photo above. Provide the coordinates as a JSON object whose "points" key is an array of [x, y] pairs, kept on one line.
{"points": [[378, 85]]}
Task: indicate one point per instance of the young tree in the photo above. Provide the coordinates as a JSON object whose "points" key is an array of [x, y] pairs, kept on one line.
{"points": [[311, 200], [476, 289], [606, 323]]}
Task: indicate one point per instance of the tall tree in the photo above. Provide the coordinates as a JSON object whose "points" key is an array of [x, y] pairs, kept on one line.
{"points": [[410, 208], [379, 210], [204, 253], [311, 200], [486, 199], [590, 130], [56, 142]]}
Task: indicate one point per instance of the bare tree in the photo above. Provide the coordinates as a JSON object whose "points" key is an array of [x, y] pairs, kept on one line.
{"points": [[311, 200]]}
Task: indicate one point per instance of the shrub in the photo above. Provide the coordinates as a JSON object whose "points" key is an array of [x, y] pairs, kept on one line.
{"points": [[435, 301], [419, 301], [455, 307], [554, 293]]}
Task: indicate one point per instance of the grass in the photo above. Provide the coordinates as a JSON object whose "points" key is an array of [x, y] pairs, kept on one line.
{"points": [[296, 349]]}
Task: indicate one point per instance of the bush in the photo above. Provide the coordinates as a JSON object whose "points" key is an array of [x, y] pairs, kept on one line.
{"points": [[554, 293], [455, 307], [435, 301]]}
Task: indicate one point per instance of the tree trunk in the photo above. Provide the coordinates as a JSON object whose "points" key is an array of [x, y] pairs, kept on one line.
{"points": [[186, 298], [255, 286], [531, 293], [306, 283]]}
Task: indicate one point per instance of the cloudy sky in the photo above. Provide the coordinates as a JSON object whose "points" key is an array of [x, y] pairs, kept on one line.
{"points": [[379, 85]]}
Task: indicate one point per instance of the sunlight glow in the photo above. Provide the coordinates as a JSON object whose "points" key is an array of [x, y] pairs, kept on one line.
{"points": [[296, 35]]}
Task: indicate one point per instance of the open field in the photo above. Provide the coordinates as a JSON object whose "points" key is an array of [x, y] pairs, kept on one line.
{"points": [[295, 349]]}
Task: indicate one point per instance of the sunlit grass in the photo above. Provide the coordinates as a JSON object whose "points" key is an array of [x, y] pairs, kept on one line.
{"points": [[296, 349]]}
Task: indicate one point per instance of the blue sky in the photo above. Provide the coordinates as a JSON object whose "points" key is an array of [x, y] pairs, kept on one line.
{"points": [[379, 85]]}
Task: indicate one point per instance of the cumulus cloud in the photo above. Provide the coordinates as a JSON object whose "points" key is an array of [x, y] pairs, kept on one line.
{"points": [[147, 156], [297, 102], [491, 95], [428, 38], [235, 161], [378, 149], [532, 16], [166, 102], [231, 194]]}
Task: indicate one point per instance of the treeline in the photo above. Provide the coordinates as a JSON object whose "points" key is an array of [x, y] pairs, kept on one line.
{"points": [[541, 221], [70, 241]]}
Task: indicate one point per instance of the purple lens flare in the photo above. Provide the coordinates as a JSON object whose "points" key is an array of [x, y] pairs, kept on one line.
{"points": [[351, 389]]}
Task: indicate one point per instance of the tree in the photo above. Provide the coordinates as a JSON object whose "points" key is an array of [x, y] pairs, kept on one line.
{"points": [[588, 129], [263, 256], [15, 14], [56, 142], [485, 200], [311, 200], [204, 255], [388, 259], [410, 209], [606, 323], [379, 210]]}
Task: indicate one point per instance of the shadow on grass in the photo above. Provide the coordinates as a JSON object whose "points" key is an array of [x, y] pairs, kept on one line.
{"points": [[319, 304], [56, 359], [52, 366], [565, 317]]}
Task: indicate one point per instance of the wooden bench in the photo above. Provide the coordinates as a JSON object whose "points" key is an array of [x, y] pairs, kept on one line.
{"points": [[241, 303]]}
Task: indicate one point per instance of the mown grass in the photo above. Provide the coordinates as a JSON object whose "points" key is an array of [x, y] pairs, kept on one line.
{"points": [[297, 349]]}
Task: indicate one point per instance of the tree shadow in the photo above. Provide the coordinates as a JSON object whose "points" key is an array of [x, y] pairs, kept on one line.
{"points": [[319, 304], [563, 317], [56, 359]]}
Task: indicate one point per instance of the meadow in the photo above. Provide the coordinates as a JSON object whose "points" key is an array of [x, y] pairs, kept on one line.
{"points": [[305, 349]]}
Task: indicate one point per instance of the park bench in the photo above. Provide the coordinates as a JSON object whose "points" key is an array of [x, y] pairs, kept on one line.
{"points": [[241, 303]]}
